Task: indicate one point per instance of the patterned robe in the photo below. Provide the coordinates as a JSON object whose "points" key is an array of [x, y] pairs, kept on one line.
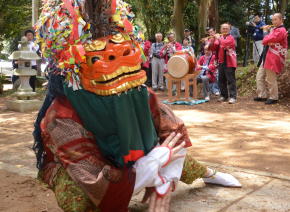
{"points": [[82, 179]]}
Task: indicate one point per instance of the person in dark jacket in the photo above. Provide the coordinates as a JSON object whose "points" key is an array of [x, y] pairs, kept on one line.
{"points": [[235, 32], [258, 37]]}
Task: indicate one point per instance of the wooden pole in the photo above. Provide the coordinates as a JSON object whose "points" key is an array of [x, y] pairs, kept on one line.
{"points": [[35, 7]]}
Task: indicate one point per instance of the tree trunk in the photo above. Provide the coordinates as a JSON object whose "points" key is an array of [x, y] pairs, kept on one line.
{"points": [[35, 8], [147, 28], [274, 8], [202, 15], [177, 19], [282, 7], [213, 14], [267, 11]]}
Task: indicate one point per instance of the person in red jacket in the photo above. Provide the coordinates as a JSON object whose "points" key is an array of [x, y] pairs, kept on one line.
{"points": [[206, 65], [146, 65], [272, 60], [227, 63]]}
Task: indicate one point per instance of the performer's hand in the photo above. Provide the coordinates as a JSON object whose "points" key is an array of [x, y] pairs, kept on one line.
{"points": [[198, 66], [160, 205], [212, 39], [148, 194], [186, 51], [266, 28], [165, 46], [203, 40], [170, 45], [217, 36], [170, 141]]}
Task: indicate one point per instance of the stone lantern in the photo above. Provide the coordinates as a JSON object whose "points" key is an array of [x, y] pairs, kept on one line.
{"points": [[24, 93]]}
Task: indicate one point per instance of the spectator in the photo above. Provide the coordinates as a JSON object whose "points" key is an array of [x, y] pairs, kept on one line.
{"points": [[204, 42], [149, 58], [190, 51], [227, 63], [207, 75], [157, 63], [272, 61], [187, 47], [191, 41], [29, 34], [235, 32], [214, 88], [147, 65], [166, 52], [258, 37]]}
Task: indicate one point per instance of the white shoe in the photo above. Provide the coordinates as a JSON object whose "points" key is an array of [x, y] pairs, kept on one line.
{"points": [[232, 101], [207, 98], [223, 179], [222, 99], [217, 93]]}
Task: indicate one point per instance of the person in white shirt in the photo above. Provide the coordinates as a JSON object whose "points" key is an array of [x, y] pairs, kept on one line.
{"points": [[187, 48], [29, 34]]}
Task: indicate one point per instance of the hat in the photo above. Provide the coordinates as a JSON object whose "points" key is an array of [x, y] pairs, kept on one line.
{"points": [[186, 30]]}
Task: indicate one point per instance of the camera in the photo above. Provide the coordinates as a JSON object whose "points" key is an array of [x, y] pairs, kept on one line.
{"points": [[250, 26]]}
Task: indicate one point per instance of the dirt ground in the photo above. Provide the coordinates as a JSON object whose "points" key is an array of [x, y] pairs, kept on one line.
{"points": [[23, 194], [247, 134]]}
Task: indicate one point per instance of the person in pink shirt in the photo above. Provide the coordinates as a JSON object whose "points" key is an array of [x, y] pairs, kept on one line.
{"points": [[272, 60], [227, 60], [146, 66], [214, 88]]}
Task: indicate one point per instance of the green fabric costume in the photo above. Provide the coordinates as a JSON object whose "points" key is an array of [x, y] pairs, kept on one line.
{"points": [[121, 124]]}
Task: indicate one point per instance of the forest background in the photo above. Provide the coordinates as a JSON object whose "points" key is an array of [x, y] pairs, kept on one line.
{"points": [[159, 16]]}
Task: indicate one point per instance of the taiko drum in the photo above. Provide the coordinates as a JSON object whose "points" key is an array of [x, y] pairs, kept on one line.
{"points": [[181, 64]]}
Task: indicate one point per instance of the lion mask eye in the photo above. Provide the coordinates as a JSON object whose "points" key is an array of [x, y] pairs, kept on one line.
{"points": [[95, 59], [91, 60]]}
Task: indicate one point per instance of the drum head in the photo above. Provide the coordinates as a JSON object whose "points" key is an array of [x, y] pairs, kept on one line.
{"points": [[177, 66]]}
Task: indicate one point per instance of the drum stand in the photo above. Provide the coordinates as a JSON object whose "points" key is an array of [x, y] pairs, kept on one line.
{"points": [[186, 78]]}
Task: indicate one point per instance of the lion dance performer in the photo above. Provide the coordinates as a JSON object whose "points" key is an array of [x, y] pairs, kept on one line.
{"points": [[101, 136]]}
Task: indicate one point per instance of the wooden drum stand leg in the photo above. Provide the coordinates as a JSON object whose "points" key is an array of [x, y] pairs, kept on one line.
{"points": [[187, 88], [194, 88], [178, 89], [169, 88]]}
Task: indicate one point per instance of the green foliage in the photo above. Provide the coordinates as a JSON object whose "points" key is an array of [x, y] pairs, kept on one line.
{"points": [[13, 43], [191, 20], [153, 15], [246, 79], [14, 17], [287, 23], [2, 79]]}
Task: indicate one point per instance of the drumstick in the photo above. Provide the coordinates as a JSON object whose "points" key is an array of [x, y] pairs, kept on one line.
{"points": [[209, 37], [270, 26]]}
